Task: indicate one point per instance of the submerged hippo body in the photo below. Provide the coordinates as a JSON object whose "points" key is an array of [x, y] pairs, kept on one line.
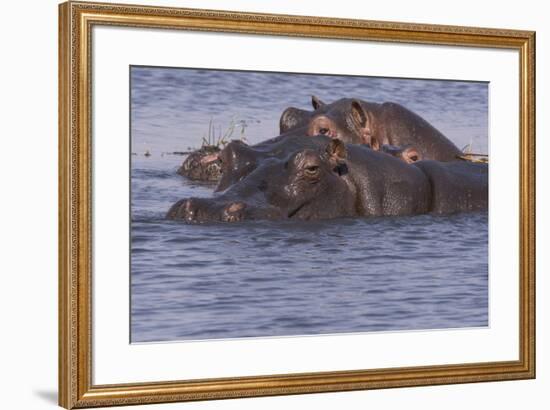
{"points": [[360, 122], [317, 183]]}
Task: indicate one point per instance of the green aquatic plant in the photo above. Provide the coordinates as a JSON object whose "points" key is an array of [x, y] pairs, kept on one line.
{"points": [[218, 139]]}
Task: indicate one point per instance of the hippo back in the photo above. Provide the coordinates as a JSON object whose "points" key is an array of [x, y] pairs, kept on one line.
{"points": [[458, 186], [402, 127]]}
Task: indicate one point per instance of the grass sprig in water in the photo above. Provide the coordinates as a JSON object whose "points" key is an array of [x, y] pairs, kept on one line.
{"points": [[219, 139]]}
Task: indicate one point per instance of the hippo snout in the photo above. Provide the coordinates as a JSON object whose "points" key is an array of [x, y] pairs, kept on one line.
{"points": [[204, 210]]}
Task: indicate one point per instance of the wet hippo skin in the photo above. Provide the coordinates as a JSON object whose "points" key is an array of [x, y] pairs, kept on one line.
{"points": [[317, 183]]}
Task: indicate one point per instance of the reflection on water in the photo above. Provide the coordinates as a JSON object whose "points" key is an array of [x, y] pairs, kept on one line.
{"points": [[279, 278]]}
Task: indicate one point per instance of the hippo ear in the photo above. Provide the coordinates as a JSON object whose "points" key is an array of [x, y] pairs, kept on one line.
{"points": [[292, 118], [363, 122], [316, 102], [410, 155], [359, 114], [336, 150]]}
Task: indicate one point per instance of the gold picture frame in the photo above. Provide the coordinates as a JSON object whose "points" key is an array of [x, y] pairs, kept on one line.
{"points": [[76, 20]]}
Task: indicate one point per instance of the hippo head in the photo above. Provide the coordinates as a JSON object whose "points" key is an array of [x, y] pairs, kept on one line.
{"points": [[308, 184], [202, 164], [345, 119], [315, 184]]}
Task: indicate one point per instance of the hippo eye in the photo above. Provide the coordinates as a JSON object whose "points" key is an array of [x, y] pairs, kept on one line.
{"points": [[414, 158], [323, 131], [311, 170]]}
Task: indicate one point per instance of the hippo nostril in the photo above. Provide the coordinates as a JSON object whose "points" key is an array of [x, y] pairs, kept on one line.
{"points": [[236, 206], [188, 210], [187, 204], [208, 159]]}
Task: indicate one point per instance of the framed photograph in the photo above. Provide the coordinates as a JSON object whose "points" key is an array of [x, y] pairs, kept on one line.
{"points": [[256, 204]]}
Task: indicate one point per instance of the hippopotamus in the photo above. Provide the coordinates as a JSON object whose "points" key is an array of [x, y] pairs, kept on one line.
{"points": [[329, 181], [360, 122]]}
